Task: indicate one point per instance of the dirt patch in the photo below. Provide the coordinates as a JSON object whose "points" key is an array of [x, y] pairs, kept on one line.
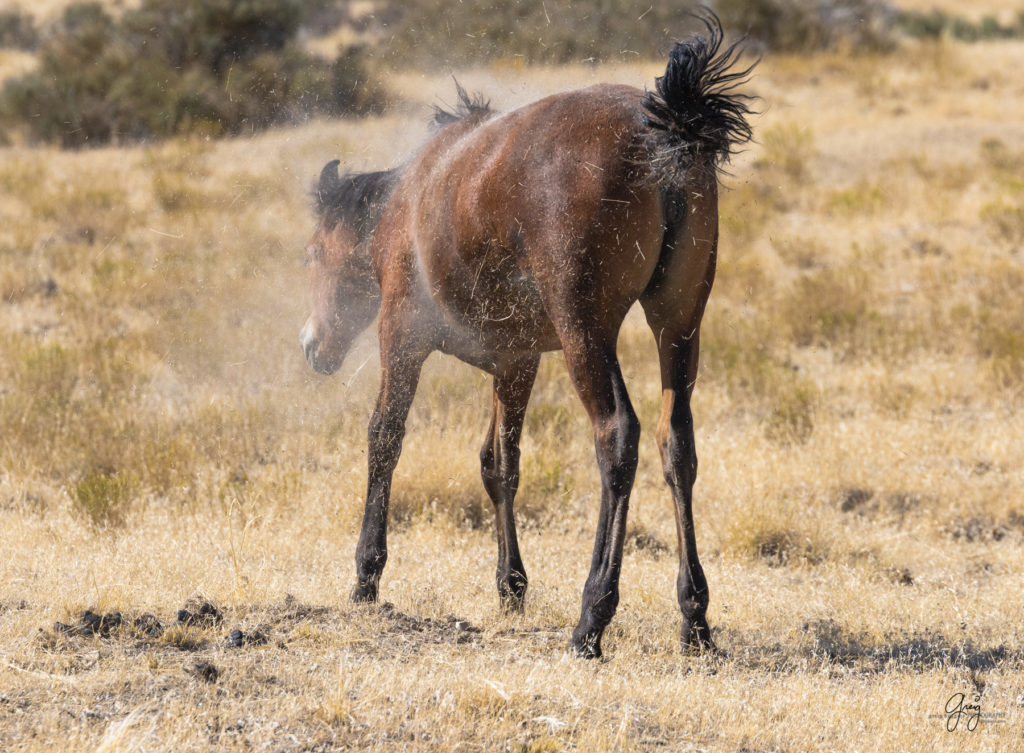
{"points": [[866, 503], [827, 640], [91, 623], [258, 637], [980, 528], [14, 606], [450, 629], [206, 671], [185, 631], [640, 540], [198, 612]]}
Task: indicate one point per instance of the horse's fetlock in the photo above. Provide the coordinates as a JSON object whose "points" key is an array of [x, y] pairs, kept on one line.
{"points": [[693, 609]]}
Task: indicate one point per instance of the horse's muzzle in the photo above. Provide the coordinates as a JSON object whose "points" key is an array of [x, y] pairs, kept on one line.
{"points": [[311, 348]]}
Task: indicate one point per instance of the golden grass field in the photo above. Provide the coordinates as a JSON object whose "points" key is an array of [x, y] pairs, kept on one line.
{"points": [[859, 504]]}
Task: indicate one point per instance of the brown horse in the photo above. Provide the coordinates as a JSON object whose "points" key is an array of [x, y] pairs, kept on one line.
{"points": [[508, 235]]}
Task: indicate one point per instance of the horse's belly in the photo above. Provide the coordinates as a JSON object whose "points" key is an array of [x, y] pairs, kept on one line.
{"points": [[496, 305]]}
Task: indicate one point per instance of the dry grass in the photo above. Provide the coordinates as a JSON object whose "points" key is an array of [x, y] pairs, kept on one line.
{"points": [[974, 9], [858, 503], [46, 11]]}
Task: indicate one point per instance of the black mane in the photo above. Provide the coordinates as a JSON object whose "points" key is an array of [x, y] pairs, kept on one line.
{"points": [[358, 199], [355, 199], [468, 106]]}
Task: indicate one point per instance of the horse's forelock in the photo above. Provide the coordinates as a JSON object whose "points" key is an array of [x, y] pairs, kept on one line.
{"points": [[355, 199]]}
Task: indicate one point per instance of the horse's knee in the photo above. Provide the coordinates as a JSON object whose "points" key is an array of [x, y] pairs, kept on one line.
{"points": [[384, 444], [619, 434]]}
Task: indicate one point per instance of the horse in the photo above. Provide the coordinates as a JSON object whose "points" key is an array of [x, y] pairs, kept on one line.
{"points": [[508, 235]]}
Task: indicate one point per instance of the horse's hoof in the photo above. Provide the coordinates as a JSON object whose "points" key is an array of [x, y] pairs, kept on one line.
{"points": [[696, 638], [364, 593], [702, 648], [511, 604], [586, 645]]}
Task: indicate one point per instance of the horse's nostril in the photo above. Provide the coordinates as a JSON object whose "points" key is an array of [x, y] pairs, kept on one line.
{"points": [[309, 344]]}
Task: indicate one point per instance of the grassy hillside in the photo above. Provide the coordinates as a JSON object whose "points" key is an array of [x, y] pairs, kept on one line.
{"points": [[163, 445]]}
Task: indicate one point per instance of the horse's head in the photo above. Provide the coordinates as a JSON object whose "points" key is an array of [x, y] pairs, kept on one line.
{"points": [[344, 292]]}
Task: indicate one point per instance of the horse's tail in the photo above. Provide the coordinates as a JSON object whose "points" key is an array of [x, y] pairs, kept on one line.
{"points": [[695, 116]]}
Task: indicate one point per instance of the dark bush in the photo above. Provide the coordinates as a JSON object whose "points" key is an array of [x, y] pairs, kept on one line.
{"points": [[441, 34], [214, 33], [179, 66], [17, 30], [806, 25], [937, 24], [320, 17], [445, 34]]}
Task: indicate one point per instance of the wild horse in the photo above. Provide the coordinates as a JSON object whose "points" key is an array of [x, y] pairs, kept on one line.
{"points": [[508, 235]]}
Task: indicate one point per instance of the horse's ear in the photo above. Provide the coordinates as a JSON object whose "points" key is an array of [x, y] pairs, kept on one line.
{"points": [[329, 180]]}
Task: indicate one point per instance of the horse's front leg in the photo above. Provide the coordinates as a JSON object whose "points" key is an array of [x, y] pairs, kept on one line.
{"points": [[499, 467], [400, 372]]}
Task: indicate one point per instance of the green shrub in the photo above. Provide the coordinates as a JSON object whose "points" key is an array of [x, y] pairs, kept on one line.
{"points": [[791, 420], [787, 147], [935, 24], [212, 67], [550, 31], [213, 33], [863, 198], [826, 307], [48, 374], [445, 34], [1004, 347], [1006, 220], [739, 352], [102, 496], [803, 25], [17, 30]]}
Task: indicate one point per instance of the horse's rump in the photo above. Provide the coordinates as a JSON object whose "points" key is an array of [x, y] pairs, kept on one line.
{"points": [[504, 213]]}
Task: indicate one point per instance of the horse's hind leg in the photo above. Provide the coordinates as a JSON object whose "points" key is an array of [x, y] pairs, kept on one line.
{"points": [[400, 370], [499, 467], [674, 308], [675, 438], [594, 369]]}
